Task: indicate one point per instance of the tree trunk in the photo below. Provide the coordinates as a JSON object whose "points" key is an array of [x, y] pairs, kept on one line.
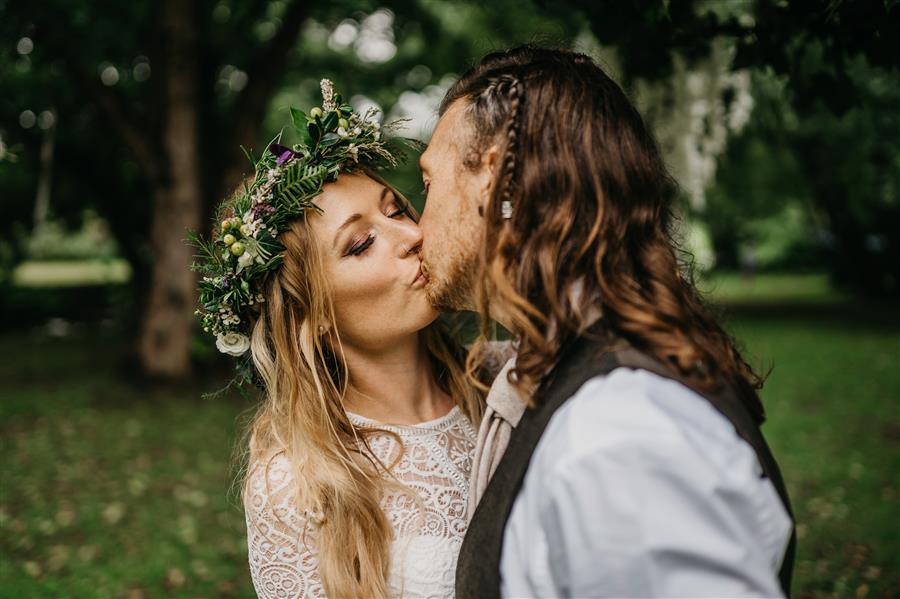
{"points": [[177, 203], [42, 199]]}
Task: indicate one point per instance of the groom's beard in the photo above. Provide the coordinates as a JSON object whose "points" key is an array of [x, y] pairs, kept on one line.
{"points": [[453, 291]]}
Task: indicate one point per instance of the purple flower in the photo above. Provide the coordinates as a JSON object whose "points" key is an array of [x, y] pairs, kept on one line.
{"points": [[261, 210], [226, 281], [282, 153]]}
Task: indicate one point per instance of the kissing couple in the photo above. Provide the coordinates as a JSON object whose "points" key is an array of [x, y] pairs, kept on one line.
{"points": [[612, 448]]}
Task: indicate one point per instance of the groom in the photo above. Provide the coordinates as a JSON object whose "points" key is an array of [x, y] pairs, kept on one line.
{"points": [[638, 468]]}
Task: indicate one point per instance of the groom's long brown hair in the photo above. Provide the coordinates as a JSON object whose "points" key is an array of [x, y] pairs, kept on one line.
{"points": [[591, 221]]}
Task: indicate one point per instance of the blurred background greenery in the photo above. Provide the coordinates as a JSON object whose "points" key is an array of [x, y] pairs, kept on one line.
{"points": [[121, 126]]}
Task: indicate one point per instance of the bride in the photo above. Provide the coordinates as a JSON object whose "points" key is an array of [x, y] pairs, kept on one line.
{"points": [[360, 455]]}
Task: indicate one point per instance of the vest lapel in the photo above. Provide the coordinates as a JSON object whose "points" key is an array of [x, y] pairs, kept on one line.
{"points": [[478, 568]]}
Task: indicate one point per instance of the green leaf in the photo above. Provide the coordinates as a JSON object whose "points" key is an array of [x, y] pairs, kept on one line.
{"points": [[314, 134], [249, 156], [330, 139], [331, 121], [305, 137], [299, 119]]}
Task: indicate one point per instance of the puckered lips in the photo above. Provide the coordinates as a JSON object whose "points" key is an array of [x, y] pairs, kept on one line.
{"points": [[421, 276]]}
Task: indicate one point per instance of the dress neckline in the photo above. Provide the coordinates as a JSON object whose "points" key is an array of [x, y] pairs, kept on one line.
{"points": [[438, 423]]}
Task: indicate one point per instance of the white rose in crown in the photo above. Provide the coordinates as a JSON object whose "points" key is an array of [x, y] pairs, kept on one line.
{"points": [[246, 259], [233, 344], [250, 254]]}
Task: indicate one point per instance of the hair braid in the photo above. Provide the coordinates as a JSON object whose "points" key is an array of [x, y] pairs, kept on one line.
{"points": [[508, 166]]}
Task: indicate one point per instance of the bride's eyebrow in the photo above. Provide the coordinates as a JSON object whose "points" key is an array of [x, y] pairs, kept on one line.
{"points": [[384, 196], [350, 220], [356, 216]]}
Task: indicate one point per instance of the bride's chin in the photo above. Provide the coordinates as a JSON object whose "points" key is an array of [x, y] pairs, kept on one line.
{"points": [[428, 315]]}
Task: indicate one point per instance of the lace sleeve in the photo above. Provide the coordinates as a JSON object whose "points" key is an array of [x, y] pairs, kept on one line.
{"points": [[280, 539]]}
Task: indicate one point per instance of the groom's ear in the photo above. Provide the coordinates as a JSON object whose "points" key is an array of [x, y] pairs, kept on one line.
{"points": [[490, 162]]}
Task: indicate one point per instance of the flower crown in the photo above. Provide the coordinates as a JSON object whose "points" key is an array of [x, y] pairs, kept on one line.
{"points": [[244, 246]]}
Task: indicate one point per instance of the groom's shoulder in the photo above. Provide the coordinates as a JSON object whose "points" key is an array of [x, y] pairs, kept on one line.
{"points": [[629, 409]]}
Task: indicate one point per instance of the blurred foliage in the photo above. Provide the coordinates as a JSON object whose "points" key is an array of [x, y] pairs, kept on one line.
{"points": [[114, 92], [852, 163], [759, 190], [747, 291], [839, 172], [52, 241], [836, 63]]}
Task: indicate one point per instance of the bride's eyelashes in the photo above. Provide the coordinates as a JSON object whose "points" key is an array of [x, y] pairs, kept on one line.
{"points": [[360, 246], [402, 209]]}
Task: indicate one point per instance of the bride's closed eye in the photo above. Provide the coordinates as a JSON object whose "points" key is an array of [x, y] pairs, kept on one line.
{"points": [[401, 208], [359, 246]]}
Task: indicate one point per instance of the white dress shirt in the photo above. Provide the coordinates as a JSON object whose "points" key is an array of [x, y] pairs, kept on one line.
{"points": [[640, 488]]}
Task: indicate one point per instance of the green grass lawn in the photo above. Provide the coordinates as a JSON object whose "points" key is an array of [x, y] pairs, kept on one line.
{"points": [[833, 401], [110, 490]]}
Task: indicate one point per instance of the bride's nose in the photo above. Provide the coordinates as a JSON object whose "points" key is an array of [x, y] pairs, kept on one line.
{"points": [[410, 239]]}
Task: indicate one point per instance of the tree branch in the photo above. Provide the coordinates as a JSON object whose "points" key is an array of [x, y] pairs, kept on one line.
{"points": [[266, 68], [263, 74], [125, 124]]}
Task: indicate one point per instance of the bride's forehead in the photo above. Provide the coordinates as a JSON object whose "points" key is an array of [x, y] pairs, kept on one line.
{"points": [[351, 187], [350, 193]]}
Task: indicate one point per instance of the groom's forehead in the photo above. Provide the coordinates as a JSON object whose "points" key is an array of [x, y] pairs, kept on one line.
{"points": [[450, 133]]}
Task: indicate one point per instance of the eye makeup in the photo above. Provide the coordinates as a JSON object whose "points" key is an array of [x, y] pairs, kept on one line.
{"points": [[359, 246], [402, 208]]}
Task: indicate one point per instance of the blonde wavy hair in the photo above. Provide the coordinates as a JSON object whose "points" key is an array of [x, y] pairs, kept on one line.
{"points": [[296, 349]]}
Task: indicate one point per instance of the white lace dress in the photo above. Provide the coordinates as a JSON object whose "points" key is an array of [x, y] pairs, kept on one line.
{"points": [[436, 463]]}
